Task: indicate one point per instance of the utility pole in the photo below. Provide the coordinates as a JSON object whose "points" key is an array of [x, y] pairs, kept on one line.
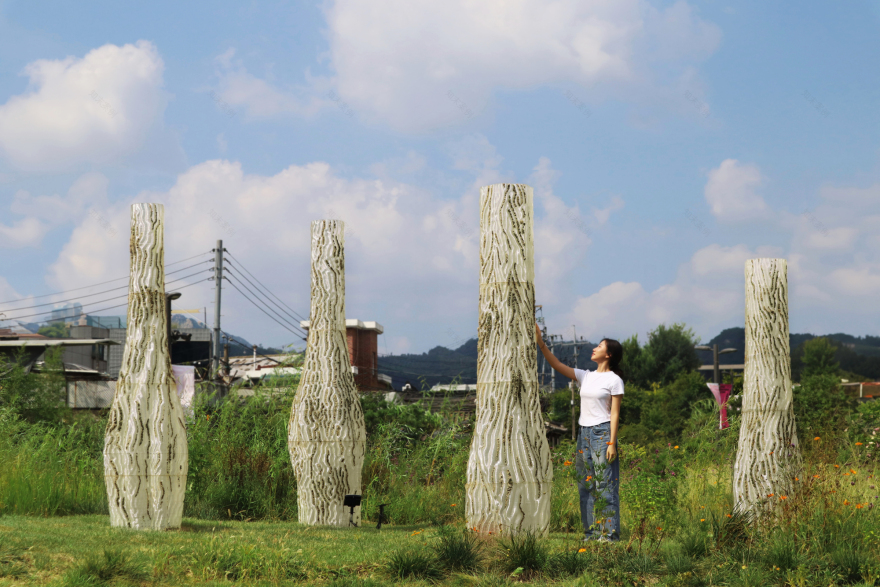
{"points": [[218, 278]]}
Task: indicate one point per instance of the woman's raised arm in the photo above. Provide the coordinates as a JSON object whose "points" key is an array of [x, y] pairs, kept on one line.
{"points": [[552, 360]]}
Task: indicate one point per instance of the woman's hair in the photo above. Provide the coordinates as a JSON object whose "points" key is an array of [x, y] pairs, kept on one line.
{"points": [[615, 355]]}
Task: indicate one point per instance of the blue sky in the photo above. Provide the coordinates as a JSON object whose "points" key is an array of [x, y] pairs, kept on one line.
{"points": [[667, 142]]}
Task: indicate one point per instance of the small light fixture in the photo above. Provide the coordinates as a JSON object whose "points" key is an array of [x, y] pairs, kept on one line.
{"points": [[351, 501]]}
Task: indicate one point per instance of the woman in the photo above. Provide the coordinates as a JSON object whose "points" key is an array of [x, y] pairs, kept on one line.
{"points": [[596, 460]]}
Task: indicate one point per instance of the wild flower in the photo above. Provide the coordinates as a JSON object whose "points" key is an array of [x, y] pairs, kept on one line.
{"points": [[582, 550]]}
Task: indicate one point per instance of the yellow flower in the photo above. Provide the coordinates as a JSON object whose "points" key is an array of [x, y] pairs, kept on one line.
{"points": [[675, 446], [845, 502], [582, 550], [566, 464], [853, 471], [452, 505], [702, 519]]}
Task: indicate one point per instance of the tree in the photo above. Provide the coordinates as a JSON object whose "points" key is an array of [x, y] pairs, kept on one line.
{"points": [[668, 353], [818, 358], [55, 330]]}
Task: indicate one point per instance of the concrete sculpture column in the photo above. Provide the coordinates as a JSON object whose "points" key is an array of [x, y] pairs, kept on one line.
{"points": [[145, 450], [509, 472], [327, 434], [768, 456]]}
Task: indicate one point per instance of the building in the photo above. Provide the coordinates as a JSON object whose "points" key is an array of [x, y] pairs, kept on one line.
{"points": [[363, 351]]}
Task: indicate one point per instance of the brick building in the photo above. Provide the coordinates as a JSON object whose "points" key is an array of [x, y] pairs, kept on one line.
{"points": [[363, 352]]}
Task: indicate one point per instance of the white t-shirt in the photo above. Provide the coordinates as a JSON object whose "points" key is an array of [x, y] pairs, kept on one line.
{"points": [[596, 391]]}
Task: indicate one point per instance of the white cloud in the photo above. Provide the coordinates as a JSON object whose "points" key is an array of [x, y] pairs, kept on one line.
{"points": [[603, 214], [91, 110], [417, 66], [707, 294], [731, 192], [27, 232]]}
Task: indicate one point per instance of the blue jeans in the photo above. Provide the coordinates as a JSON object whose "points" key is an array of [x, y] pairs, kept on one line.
{"points": [[598, 478]]}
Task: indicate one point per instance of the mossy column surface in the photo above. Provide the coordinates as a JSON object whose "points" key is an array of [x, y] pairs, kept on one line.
{"points": [[768, 456], [145, 450], [509, 473], [327, 434]]}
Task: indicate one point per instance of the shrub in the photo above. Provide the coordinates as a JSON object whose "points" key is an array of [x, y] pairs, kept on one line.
{"points": [[412, 418], [820, 405], [34, 397]]}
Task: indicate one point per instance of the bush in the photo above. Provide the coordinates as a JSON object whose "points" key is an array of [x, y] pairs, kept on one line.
{"points": [[864, 424], [34, 397], [821, 406], [415, 420]]}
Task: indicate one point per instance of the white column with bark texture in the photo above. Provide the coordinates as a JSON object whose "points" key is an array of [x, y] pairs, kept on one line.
{"points": [[326, 436], [768, 456], [145, 450], [509, 473]]}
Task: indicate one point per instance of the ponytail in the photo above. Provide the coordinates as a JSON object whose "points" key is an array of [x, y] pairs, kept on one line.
{"points": [[615, 356]]}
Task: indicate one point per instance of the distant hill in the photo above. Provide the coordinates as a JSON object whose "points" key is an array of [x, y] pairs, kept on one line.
{"points": [[856, 354], [859, 355], [443, 365]]}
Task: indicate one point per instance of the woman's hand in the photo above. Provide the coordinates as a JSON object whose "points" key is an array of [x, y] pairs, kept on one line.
{"points": [[538, 336], [611, 452]]}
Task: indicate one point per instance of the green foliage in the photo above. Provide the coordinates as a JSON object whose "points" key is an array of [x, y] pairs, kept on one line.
{"points": [[568, 563], [105, 569], [668, 353], [239, 465], [818, 358], [35, 397], [821, 405], [864, 424], [50, 470], [667, 409], [55, 330], [412, 563], [525, 551], [458, 550], [416, 420], [560, 406]]}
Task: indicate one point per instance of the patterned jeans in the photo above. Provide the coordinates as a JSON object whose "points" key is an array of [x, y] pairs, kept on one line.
{"points": [[598, 479]]}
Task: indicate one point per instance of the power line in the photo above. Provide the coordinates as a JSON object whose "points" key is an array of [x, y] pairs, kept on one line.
{"points": [[121, 305], [57, 293], [266, 288], [262, 296], [96, 293], [247, 346], [261, 309], [105, 300], [238, 279]]}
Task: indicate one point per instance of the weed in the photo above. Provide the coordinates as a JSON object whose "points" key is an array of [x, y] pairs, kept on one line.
{"points": [[677, 564], [524, 551], [458, 550], [413, 564], [105, 568], [849, 562], [568, 563]]}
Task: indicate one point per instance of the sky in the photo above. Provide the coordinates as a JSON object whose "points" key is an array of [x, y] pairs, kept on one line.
{"points": [[667, 143]]}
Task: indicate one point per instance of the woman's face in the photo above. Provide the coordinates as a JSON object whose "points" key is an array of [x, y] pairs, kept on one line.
{"points": [[600, 353]]}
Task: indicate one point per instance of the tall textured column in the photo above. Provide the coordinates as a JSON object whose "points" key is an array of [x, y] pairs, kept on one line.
{"points": [[145, 451], [326, 435], [768, 456], [509, 472]]}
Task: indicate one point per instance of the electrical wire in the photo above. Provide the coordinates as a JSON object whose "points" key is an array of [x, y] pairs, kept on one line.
{"points": [[105, 300], [97, 284], [261, 309], [94, 294], [264, 287], [247, 346], [263, 298], [238, 279], [121, 305]]}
